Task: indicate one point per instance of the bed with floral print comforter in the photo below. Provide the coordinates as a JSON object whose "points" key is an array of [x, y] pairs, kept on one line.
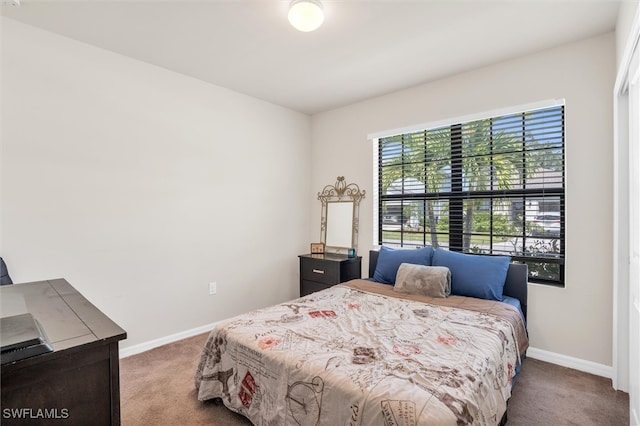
{"points": [[361, 354]]}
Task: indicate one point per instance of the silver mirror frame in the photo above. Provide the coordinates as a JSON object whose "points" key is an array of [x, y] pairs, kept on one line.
{"points": [[341, 192]]}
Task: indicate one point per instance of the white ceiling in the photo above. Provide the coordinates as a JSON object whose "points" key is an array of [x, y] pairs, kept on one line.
{"points": [[363, 49]]}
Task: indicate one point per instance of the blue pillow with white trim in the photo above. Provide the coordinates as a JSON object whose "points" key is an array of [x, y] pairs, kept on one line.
{"points": [[474, 275]]}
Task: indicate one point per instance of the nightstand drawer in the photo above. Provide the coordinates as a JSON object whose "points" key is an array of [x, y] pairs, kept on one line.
{"points": [[320, 271]]}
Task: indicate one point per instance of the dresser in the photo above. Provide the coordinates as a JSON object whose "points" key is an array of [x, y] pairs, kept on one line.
{"points": [[321, 271], [78, 382]]}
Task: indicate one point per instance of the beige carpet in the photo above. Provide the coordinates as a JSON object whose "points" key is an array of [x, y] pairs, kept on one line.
{"points": [[157, 388]]}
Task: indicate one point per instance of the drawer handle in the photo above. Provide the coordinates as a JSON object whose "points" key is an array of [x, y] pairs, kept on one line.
{"points": [[318, 271]]}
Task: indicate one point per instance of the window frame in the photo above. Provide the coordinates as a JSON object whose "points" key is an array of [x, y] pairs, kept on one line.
{"points": [[457, 123]]}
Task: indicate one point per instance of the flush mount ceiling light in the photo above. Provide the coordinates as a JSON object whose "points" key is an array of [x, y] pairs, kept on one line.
{"points": [[306, 15]]}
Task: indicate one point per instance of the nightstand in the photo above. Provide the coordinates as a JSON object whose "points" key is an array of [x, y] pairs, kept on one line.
{"points": [[321, 271]]}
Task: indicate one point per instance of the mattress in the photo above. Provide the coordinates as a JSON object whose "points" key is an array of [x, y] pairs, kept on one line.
{"points": [[363, 354]]}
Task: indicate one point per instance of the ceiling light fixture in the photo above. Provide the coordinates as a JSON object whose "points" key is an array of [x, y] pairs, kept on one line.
{"points": [[306, 15]]}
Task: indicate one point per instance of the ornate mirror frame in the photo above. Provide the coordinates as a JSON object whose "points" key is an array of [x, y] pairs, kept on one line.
{"points": [[340, 213]]}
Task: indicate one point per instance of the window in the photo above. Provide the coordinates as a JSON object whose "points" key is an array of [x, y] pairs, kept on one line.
{"points": [[493, 186]]}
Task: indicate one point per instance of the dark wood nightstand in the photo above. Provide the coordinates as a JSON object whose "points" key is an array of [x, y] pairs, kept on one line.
{"points": [[321, 271]]}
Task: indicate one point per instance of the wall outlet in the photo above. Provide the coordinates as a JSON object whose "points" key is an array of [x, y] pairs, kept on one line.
{"points": [[213, 288]]}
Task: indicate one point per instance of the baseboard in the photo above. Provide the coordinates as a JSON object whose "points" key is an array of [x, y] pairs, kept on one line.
{"points": [[571, 362], [143, 347]]}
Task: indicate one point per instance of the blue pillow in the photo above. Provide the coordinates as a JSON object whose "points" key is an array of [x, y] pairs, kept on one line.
{"points": [[473, 275], [389, 261]]}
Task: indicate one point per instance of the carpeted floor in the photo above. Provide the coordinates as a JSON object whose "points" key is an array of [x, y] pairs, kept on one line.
{"points": [[157, 388]]}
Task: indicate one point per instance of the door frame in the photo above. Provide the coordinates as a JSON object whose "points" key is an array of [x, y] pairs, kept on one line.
{"points": [[622, 304]]}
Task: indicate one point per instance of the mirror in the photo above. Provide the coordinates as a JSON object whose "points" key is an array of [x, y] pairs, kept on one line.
{"points": [[340, 212], [339, 230]]}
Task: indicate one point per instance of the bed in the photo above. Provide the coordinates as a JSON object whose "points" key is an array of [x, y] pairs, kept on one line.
{"points": [[363, 353]]}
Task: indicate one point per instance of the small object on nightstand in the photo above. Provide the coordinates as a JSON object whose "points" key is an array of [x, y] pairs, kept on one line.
{"points": [[317, 248], [352, 252]]}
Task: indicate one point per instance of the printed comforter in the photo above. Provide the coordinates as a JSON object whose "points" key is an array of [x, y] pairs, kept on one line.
{"points": [[362, 354]]}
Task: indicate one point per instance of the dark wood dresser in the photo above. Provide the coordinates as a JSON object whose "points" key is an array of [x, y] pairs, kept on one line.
{"points": [[78, 382], [321, 271]]}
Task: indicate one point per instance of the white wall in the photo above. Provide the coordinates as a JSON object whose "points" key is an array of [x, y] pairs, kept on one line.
{"points": [[575, 321], [139, 186], [626, 14]]}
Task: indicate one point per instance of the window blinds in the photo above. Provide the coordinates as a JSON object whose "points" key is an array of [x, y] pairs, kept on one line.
{"points": [[493, 186]]}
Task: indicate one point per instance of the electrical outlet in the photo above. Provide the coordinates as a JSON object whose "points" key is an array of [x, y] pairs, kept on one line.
{"points": [[213, 288]]}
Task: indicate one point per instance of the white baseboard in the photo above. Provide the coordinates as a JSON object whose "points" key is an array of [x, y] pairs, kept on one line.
{"points": [[143, 347], [571, 362]]}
